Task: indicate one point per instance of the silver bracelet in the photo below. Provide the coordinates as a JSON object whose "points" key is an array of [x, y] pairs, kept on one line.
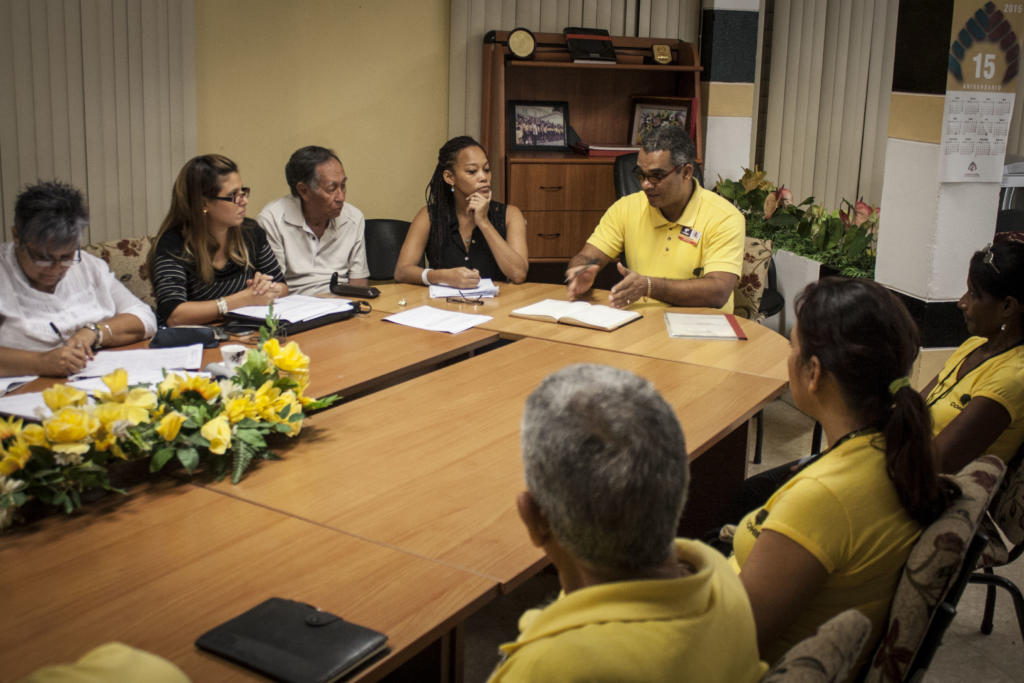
{"points": [[648, 286], [423, 276], [222, 307]]}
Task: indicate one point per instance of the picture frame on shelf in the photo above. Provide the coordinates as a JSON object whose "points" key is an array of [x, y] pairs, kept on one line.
{"points": [[650, 113], [538, 126]]}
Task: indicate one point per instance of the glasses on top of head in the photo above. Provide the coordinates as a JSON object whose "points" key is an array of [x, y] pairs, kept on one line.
{"points": [[475, 301], [238, 196], [989, 258], [46, 261], [655, 176]]}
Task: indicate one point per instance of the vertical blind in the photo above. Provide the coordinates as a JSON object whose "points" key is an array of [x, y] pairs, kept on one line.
{"points": [[472, 19], [828, 97], [100, 94]]}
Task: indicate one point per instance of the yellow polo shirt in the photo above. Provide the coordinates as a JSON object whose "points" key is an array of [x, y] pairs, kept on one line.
{"points": [[693, 628], [707, 238], [844, 510]]}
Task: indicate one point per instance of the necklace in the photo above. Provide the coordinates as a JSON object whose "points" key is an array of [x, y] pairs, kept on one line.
{"points": [[941, 382], [849, 435]]}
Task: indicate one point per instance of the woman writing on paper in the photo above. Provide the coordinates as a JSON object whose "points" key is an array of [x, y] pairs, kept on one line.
{"points": [[836, 536], [208, 258], [465, 235], [58, 304]]}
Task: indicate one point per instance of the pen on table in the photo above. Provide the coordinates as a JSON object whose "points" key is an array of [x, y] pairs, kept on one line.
{"points": [[580, 269], [57, 332]]}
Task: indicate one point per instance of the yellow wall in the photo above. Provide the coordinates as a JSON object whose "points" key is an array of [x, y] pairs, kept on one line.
{"points": [[366, 78]]}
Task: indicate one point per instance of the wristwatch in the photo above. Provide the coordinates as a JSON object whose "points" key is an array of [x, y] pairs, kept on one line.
{"points": [[97, 342]]}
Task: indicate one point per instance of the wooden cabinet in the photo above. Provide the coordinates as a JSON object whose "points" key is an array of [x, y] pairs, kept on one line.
{"points": [[563, 194]]}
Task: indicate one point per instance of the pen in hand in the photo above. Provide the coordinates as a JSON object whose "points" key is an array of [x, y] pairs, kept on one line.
{"points": [[579, 269], [57, 332]]}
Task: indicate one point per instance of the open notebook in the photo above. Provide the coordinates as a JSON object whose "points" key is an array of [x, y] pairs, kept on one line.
{"points": [[580, 313]]}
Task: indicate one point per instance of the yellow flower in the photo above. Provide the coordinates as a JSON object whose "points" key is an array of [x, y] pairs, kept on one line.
{"points": [[34, 435], [140, 402], [9, 427], [288, 359], [201, 385], [70, 426], [169, 384], [218, 432], [239, 408], [170, 425], [61, 395], [14, 458], [117, 382]]}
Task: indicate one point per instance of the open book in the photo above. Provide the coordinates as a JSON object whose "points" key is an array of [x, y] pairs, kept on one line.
{"points": [[703, 326], [578, 313]]}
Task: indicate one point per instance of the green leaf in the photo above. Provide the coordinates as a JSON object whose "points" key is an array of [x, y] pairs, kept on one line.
{"points": [[253, 438], [160, 458], [189, 458]]}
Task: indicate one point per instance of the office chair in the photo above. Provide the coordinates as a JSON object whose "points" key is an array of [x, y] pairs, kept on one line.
{"points": [[384, 237]]}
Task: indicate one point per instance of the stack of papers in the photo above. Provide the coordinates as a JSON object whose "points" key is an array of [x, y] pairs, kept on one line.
{"points": [[12, 383], [703, 326], [485, 289], [296, 308], [142, 365], [437, 320]]}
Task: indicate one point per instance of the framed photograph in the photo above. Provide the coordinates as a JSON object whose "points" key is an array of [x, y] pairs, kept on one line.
{"points": [[538, 125], [650, 113]]}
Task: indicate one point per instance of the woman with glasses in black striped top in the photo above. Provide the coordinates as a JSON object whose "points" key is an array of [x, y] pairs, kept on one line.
{"points": [[208, 258]]}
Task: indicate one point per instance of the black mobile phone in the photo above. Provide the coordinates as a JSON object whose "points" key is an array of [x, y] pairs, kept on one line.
{"points": [[345, 289]]}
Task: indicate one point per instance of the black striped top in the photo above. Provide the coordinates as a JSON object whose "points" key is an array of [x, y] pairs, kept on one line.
{"points": [[175, 279]]}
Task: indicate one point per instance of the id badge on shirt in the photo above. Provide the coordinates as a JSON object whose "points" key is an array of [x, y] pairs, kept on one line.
{"points": [[689, 235]]}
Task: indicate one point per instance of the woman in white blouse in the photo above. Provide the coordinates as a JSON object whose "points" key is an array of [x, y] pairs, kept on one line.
{"points": [[59, 305]]}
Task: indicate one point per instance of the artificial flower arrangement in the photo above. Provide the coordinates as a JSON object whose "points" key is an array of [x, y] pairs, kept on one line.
{"points": [[845, 239], [191, 420]]}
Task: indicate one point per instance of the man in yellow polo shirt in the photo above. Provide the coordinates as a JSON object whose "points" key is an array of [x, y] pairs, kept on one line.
{"points": [[683, 244], [606, 471]]}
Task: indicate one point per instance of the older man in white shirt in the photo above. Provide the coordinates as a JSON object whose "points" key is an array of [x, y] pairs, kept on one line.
{"points": [[313, 232]]}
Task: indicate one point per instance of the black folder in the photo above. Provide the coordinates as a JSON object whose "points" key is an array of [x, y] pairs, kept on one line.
{"points": [[294, 642]]}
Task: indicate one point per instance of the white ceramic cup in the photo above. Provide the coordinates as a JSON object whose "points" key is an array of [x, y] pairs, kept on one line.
{"points": [[233, 355]]}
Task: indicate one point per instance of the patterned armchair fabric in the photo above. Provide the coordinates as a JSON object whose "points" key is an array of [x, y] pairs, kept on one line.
{"points": [[826, 656], [754, 275], [1007, 517], [933, 564], [127, 258]]}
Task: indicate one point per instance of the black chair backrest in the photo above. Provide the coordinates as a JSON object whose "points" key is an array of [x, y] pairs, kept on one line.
{"points": [[384, 237], [1010, 220], [626, 182]]}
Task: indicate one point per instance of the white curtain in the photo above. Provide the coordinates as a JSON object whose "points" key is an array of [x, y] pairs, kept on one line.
{"points": [[472, 19], [828, 97], [100, 94]]}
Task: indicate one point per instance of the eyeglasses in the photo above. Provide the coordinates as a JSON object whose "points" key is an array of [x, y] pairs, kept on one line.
{"points": [[989, 258], [478, 301], [237, 196], [46, 261], [656, 176]]}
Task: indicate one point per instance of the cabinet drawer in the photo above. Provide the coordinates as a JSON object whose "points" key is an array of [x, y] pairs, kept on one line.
{"points": [[561, 187], [558, 234]]}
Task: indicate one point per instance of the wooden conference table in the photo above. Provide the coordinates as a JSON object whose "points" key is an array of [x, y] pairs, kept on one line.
{"points": [[398, 510], [764, 353]]}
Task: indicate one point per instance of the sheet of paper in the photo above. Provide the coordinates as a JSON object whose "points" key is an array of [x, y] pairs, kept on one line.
{"points": [[29, 406], [142, 364], [298, 307], [485, 289], [699, 325], [12, 383], [437, 320]]}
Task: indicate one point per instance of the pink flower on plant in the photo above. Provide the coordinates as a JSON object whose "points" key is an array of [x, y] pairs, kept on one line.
{"points": [[776, 200], [861, 212]]}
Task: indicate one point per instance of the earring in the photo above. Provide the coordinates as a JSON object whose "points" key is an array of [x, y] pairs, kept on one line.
{"points": [[1002, 328], [204, 210], [452, 188]]}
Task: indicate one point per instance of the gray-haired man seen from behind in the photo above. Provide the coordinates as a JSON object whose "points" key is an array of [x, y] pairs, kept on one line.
{"points": [[606, 477], [313, 232]]}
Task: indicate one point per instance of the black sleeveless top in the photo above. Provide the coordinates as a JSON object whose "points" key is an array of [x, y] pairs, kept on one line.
{"points": [[454, 253]]}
